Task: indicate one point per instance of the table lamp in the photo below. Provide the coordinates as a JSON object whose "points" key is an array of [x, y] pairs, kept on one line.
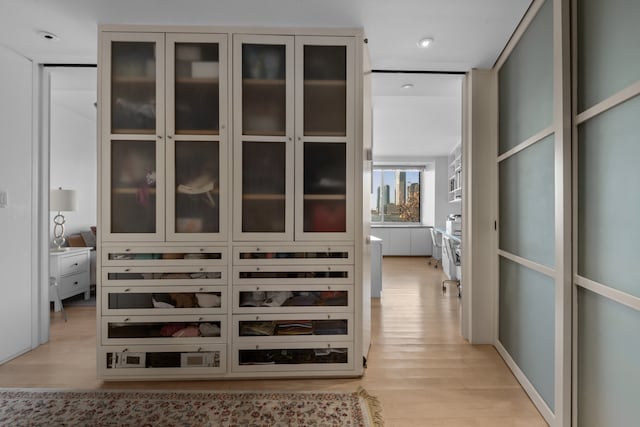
{"points": [[62, 201]]}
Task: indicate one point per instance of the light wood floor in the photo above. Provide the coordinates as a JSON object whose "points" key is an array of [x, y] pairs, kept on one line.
{"points": [[419, 367]]}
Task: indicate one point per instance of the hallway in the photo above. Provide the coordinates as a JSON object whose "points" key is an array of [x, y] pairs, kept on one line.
{"points": [[419, 367]]}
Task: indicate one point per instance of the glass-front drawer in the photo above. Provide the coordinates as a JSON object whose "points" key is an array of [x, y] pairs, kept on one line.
{"points": [[163, 329], [292, 327], [324, 356], [153, 255], [288, 255], [264, 275], [158, 360], [163, 276], [137, 300], [292, 299]]}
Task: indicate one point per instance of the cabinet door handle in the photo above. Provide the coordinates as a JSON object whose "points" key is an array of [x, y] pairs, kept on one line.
{"points": [[75, 283]]}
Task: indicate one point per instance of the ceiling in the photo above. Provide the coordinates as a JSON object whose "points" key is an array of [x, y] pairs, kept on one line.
{"points": [[467, 34]]}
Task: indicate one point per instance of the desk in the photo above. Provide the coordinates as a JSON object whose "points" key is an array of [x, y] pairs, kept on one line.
{"points": [[449, 265], [70, 268]]}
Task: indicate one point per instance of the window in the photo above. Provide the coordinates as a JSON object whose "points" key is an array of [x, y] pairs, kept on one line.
{"points": [[396, 195]]}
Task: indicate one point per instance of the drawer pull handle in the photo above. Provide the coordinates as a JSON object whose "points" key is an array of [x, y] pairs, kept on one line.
{"points": [[127, 290], [257, 268], [76, 264], [257, 347], [257, 249], [125, 350], [127, 250], [75, 283], [257, 288], [328, 316], [257, 317], [126, 319], [201, 289], [201, 269], [329, 287], [329, 268], [127, 269], [200, 319], [201, 249], [199, 349]]}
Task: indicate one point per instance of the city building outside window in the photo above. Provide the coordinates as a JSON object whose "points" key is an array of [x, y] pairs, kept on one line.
{"points": [[396, 195]]}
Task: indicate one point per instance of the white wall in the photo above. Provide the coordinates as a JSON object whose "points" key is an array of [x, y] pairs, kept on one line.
{"points": [[16, 220], [73, 145]]}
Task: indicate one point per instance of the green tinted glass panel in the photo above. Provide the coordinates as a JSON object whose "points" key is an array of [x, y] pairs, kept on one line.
{"points": [[608, 48], [608, 372], [526, 83], [527, 203], [527, 324], [608, 199]]}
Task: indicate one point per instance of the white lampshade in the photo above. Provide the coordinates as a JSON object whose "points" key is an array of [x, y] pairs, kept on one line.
{"points": [[62, 200]]}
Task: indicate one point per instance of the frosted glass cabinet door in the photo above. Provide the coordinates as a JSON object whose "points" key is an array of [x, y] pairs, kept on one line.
{"points": [[197, 187], [325, 187], [264, 90], [197, 88], [134, 86], [135, 190], [263, 187], [325, 90], [263, 143], [196, 70]]}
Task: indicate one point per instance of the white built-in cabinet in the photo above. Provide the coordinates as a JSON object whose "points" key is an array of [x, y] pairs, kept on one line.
{"points": [[230, 224], [454, 171]]}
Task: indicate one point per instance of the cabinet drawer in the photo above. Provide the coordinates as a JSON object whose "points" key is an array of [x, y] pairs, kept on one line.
{"points": [[293, 357], [264, 275], [74, 264], [154, 256], [292, 299], [265, 328], [164, 276], [141, 300], [163, 361], [292, 255], [163, 329], [73, 285]]}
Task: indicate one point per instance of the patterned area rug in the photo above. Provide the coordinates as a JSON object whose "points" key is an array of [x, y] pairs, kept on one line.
{"points": [[32, 407]]}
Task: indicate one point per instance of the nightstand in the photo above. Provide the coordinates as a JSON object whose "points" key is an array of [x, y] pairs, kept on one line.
{"points": [[70, 268]]}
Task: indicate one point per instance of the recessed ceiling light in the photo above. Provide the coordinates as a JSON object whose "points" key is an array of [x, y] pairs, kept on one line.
{"points": [[425, 42], [407, 86], [48, 36]]}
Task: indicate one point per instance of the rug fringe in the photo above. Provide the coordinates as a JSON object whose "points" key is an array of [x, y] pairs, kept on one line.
{"points": [[374, 405]]}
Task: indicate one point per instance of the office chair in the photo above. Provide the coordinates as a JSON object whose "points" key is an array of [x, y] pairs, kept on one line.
{"points": [[436, 254], [455, 260]]}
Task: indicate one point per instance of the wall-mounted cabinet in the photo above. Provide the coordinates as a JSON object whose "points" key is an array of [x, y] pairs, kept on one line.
{"points": [[211, 232]]}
